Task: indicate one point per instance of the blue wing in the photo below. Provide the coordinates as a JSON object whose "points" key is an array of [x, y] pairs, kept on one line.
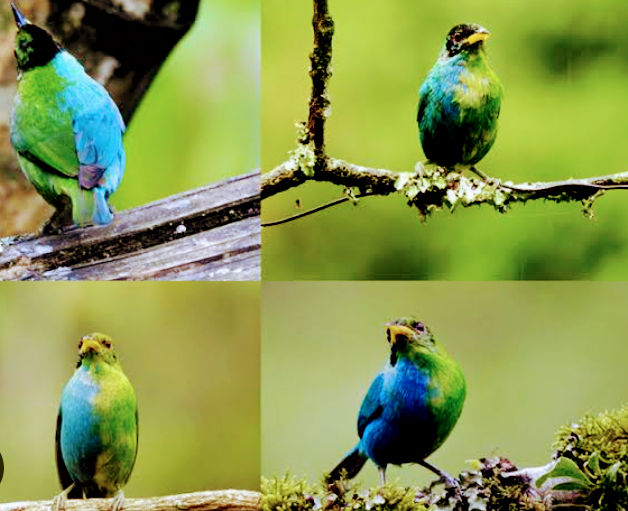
{"points": [[98, 137], [371, 406]]}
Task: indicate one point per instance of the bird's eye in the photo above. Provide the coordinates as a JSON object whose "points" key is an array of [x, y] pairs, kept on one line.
{"points": [[420, 327], [80, 344], [106, 343]]}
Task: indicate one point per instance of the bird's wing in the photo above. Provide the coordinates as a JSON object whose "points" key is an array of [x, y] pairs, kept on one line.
{"points": [[424, 93], [137, 438], [371, 406], [52, 152], [64, 476], [98, 138]]}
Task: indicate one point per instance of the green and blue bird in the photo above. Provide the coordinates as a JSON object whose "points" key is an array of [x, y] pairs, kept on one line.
{"points": [[66, 130], [97, 426], [411, 406], [459, 101]]}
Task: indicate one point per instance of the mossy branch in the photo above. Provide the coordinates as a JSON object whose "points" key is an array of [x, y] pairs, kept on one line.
{"points": [[223, 500], [427, 189], [589, 472]]}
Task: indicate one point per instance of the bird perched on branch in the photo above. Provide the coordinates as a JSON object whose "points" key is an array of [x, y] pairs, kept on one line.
{"points": [[459, 101], [411, 406], [66, 129], [97, 427]]}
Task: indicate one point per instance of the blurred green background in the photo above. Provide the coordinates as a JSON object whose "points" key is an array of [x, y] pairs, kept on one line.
{"points": [[564, 69], [190, 350], [536, 356], [199, 121]]}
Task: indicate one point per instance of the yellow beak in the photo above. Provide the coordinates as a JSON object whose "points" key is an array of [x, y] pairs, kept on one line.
{"points": [[89, 345], [395, 330], [478, 36]]}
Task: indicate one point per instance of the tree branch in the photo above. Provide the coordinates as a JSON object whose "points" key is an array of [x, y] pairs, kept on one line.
{"points": [[224, 500], [320, 72], [428, 188]]}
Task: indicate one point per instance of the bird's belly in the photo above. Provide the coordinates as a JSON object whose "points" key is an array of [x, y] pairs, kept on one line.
{"points": [[408, 440], [97, 446]]}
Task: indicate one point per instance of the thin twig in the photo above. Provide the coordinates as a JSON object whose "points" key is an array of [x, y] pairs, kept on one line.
{"points": [[309, 212]]}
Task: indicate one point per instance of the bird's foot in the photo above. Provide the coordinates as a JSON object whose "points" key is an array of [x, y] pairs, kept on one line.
{"points": [[419, 169], [60, 501], [118, 501], [484, 177]]}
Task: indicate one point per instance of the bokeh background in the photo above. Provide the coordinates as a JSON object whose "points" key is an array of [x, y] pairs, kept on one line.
{"points": [[190, 350], [199, 121], [564, 69], [536, 356]]}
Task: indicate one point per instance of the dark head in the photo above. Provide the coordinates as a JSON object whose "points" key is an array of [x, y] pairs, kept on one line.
{"points": [[465, 37], [33, 45], [96, 346], [409, 336]]}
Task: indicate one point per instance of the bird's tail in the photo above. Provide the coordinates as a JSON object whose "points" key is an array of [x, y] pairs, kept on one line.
{"points": [[90, 207], [349, 467]]}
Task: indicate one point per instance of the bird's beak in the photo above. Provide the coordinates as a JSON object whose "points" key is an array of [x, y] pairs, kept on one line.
{"points": [[20, 19], [89, 345], [482, 35], [395, 330]]}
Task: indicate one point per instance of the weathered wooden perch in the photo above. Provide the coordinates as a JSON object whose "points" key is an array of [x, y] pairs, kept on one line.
{"points": [[211, 233], [224, 500]]}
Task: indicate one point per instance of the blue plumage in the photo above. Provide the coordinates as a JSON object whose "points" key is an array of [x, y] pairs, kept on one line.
{"points": [[394, 409], [79, 441]]}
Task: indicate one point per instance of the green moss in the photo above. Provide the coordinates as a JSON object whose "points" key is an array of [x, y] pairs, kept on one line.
{"points": [[290, 493], [285, 494]]}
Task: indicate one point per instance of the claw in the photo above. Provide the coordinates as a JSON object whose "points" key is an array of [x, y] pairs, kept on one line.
{"points": [[60, 501], [118, 501]]}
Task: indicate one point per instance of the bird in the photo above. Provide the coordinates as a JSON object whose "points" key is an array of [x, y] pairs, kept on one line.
{"points": [[459, 101], [66, 130], [411, 406], [97, 426]]}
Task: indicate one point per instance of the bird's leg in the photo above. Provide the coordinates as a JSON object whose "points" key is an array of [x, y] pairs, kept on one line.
{"points": [[62, 217], [59, 502], [118, 501], [449, 481], [483, 176], [382, 475]]}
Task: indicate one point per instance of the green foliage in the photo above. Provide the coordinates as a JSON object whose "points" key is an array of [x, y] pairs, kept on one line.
{"points": [[593, 454]]}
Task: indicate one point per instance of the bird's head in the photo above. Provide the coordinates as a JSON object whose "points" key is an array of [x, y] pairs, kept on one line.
{"points": [[96, 347], [467, 37], [410, 338], [33, 45]]}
